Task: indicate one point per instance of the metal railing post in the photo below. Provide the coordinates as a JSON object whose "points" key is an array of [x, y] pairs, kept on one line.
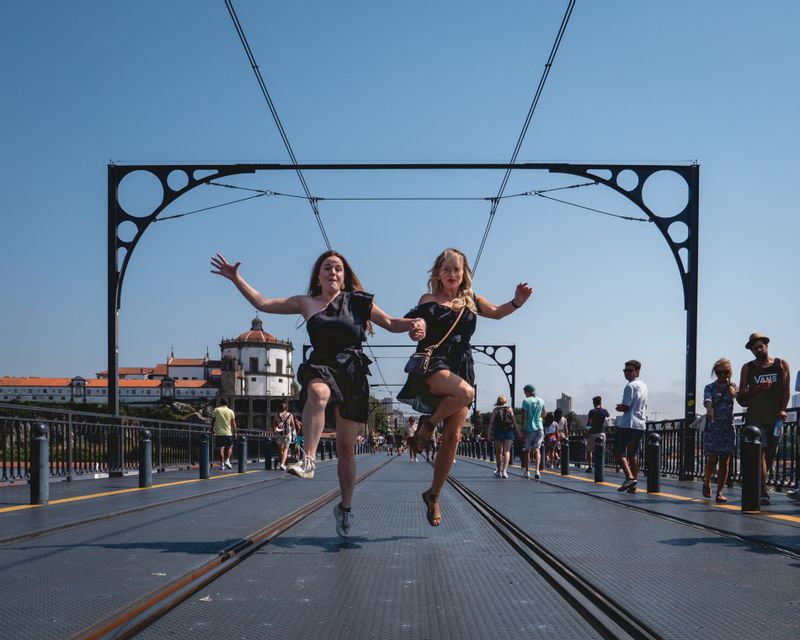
{"points": [[205, 457], [242, 454], [751, 469], [145, 459], [652, 460], [599, 458], [39, 458]]}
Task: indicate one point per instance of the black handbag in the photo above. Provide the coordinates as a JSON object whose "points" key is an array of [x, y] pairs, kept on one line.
{"points": [[418, 363]]}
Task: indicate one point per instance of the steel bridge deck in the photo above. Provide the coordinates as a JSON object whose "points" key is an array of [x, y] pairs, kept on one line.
{"points": [[397, 577]]}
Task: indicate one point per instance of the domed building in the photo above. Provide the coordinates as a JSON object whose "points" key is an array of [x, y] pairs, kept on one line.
{"points": [[257, 375]]}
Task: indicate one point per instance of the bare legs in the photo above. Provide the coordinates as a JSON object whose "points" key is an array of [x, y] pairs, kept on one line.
{"points": [[314, 415], [505, 455], [284, 454], [722, 474], [447, 450], [346, 432]]}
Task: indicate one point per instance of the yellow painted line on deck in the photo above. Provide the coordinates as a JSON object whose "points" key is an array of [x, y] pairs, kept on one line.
{"points": [[117, 492], [675, 496]]}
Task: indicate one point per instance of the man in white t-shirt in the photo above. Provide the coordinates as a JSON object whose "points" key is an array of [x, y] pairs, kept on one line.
{"points": [[631, 425]]}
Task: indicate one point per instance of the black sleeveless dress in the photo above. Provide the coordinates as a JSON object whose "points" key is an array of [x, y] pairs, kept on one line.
{"points": [[337, 334], [455, 354]]}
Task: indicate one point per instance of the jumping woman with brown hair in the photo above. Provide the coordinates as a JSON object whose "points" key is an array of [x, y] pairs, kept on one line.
{"points": [[338, 314]]}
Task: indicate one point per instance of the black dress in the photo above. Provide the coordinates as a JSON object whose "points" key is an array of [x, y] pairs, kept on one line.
{"points": [[337, 333], [455, 354]]}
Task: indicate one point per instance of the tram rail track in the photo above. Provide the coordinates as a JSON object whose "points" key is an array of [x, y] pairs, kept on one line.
{"points": [[724, 533], [130, 620], [607, 617]]}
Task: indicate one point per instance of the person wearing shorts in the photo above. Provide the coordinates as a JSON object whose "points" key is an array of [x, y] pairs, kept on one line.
{"points": [[224, 424], [631, 425], [532, 431], [411, 429], [502, 428], [596, 424]]}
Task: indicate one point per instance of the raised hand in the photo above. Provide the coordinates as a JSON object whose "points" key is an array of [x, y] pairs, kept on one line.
{"points": [[522, 293], [223, 268]]}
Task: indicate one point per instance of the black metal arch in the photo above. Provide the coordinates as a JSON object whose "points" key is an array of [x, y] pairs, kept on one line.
{"points": [[606, 174]]}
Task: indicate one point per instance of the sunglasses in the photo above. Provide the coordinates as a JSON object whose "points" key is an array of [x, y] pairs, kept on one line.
{"points": [[721, 372]]}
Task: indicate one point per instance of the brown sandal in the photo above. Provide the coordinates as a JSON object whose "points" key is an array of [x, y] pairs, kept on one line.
{"points": [[432, 505], [423, 435]]}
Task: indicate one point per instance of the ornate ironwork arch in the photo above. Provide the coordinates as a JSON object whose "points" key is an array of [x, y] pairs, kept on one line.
{"points": [[177, 180]]}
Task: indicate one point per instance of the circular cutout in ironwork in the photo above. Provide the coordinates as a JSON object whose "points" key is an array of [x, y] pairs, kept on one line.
{"points": [[665, 193], [678, 231], [508, 368], [140, 193], [177, 180], [503, 355], [127, 231], [628, 180]]}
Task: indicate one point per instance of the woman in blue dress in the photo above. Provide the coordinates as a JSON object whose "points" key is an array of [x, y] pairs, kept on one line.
{"points": [[446, 390], [338, 314], [719, 436]]}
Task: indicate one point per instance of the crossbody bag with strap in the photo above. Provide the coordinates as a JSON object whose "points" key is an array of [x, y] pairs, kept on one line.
{"points": [[418, 363]]}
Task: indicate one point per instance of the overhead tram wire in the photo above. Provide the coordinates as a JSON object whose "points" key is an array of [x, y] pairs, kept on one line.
{"points": [[534, 103], [243, 38], [263, 86], [537, 192]]}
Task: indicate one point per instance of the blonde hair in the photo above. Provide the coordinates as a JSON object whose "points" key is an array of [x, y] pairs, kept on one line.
{"points": [[466, 296], [501, 400], [724, 362]]}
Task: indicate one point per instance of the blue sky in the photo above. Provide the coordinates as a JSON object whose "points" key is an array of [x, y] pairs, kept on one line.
{"points": [[634, 82]]}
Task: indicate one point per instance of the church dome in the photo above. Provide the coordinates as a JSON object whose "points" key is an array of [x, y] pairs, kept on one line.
{"points": [[256, 333]]}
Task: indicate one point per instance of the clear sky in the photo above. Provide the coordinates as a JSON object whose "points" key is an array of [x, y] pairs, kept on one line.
{"points": [[634, 82]]}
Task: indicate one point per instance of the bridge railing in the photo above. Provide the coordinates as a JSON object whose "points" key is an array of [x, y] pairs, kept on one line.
{"points": [[682, 450], [83, 443]]}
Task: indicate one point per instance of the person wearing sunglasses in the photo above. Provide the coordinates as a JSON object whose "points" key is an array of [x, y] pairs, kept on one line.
{"points": [[719, 435], [631, 425]]}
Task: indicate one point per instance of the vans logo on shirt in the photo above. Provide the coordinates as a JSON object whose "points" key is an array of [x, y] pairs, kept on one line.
{"points": [[767, 377]]}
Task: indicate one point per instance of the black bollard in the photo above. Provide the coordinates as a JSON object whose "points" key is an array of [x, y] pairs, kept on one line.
{"points": [[145, 459], [490, 446], [652, 460], [599, 458], [330, 449], [565, 457], [751, 469], [242, 454], [268, 459], [484, 447], [205, 457], [39, 470]]}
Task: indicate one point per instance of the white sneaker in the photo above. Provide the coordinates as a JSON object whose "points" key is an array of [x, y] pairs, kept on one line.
{"points": [[222, 466], [496, 473], [537, 477], [344, 520], [505, 474], [527, 475], [228, 464], [303, 469], [282, 467]]}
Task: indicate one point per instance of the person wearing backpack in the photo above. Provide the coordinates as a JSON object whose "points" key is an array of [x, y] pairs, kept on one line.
{"points": [[285, 428], [502, 429]]}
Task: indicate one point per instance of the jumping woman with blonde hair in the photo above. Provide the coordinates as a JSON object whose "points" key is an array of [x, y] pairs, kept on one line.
{"points": [[338, 313], [446, 389]]}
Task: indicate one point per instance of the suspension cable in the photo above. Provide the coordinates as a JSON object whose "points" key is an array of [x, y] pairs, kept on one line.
{"points": [[312, 201], [538, 93]]}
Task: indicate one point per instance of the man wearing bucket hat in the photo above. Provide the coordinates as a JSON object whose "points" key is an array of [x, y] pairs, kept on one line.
{"points": [[764, 390]]}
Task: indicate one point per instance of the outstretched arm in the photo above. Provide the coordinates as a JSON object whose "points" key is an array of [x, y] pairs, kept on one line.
{"points": [[415, 326], [269, 305], [491, 310]]}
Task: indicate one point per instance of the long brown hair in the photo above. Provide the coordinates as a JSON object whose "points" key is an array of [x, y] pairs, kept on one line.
{"points": [[351, 281], [465, 293]]}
